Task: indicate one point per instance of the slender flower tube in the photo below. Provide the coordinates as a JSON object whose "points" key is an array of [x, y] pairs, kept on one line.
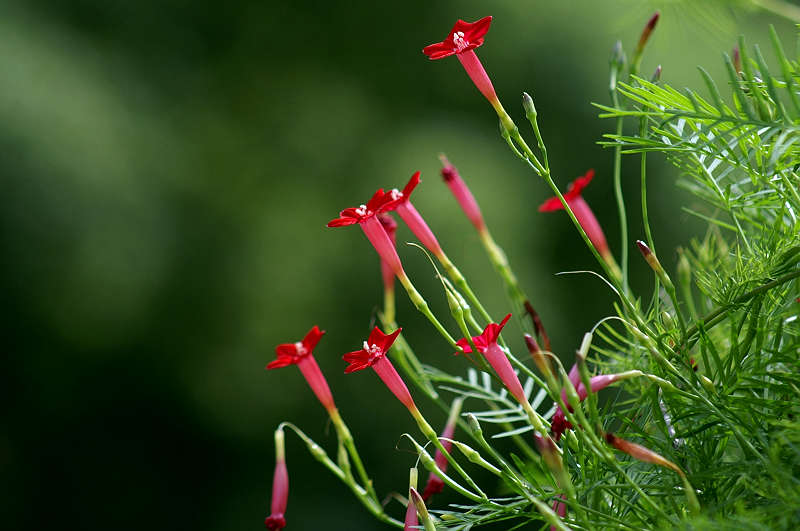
{"points": [[461, 42], [301, 354], [435, 483], [390, 226], [463, 195], [584, 215], [401, 202], [280, 486], [365, 216], [373, 354], [559, 423], [486, 343]]}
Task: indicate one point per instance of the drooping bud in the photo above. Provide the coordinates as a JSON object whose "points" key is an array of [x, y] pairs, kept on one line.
{"points": [[280, 486]]}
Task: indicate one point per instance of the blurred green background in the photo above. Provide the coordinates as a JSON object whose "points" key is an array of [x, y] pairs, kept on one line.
{"points": [[167, 172]]}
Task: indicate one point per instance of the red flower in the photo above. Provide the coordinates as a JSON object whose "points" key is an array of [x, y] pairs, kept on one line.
{"points": [[487, 338], [374, 355], [390, 226], [301, 354], [366, 217], [398, 197], [573, 192], [461, 42], [486, 343], [293, 353], [463, 37], [582, 212], [401, 202], [374, 349], [353, 215]]}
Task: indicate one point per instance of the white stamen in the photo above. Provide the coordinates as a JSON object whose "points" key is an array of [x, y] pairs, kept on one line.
{"points": [[300, 348], [458, 40], [362, 210], [396, 194]]}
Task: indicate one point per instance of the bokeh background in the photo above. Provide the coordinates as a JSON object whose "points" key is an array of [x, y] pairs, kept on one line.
{"points": [[166, 173]]}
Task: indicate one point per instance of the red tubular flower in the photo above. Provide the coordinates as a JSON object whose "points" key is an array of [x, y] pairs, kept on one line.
{"points": [[301, 354], [365, 216], [401, 202], [486, 343], [374, 355], [462, 194], [582, 211], [390, 226], [461, 42], [280, 487]]}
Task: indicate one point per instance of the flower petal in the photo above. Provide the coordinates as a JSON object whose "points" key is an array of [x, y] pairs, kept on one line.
{"points": [[474, 32], [312, 338], [412, 183], [577, 186], [552, 204], [282, 361], [439, 50]]}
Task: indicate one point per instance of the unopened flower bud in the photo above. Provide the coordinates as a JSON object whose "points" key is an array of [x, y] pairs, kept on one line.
{"points": [[530, 108], [737, 61], [647, 31], [474, 425], [656, 77], [655, 265], [422, 510], [618, 58]]}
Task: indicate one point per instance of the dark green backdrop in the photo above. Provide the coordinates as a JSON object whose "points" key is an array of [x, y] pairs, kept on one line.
{"points": [[166, 173]]}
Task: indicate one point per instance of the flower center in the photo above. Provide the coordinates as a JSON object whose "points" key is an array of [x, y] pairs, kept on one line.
{"points": [[300, 348], [362, 210], [374, 351], [396, 194], [459, 41]]}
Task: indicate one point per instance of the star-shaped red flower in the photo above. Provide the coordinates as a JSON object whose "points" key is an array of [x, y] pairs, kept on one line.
{"points": [[292, 353], [573, 192], [463, 37], [397, 197], [374, 350], [350, 216], [487, 338]]}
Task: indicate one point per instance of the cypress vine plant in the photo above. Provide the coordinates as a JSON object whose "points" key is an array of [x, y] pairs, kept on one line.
{"points": [[701, 430]]}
